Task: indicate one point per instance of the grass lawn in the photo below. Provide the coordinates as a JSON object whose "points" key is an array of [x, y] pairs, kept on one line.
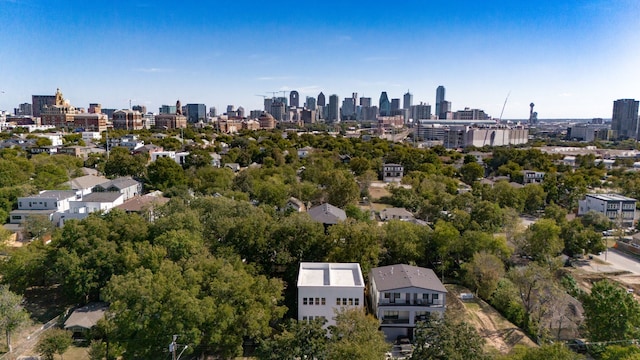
{"points": [[76, 353]]}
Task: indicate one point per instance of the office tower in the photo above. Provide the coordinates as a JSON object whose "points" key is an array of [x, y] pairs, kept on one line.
{"points": [[624, 120], [321, 100], [365, 102], [395, 106], [167, 109], [109, 113], [139, 108], [95, 108], [421, 112], [283, 100], [445, 109], [213, 112], [24, 109], [439, 99], [240, 112], [196, 113], [294, 99], [231, 108], [384, 104], [333, 114], [267, 104], [311, 103], [408, 100], [278, 110], [354, 98], [38, 102], [348, 110]]}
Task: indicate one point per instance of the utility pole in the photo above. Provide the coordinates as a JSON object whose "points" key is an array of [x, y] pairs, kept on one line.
{"points": [[173, 346]]}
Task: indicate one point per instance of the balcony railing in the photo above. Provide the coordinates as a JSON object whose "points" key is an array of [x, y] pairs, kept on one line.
{"points": [[394, 321], [416, 302]]}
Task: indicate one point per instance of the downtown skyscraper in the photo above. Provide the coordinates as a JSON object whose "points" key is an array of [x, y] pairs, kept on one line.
{"points": [[624, 121]]}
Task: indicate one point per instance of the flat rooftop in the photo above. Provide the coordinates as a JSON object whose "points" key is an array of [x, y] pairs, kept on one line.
{"points": [[330, 274], [611, 197]]}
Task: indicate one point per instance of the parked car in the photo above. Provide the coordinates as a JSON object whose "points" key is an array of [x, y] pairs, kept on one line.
{"points": [[577, 345]]}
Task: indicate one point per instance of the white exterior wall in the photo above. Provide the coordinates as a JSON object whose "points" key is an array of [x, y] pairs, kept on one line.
{"points": [[44, 203], [91, 135], [158, 154], [330, 294], [80, 207]]}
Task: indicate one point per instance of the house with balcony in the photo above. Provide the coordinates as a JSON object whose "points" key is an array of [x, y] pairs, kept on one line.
{"points": [[532, 177], [392, 172], [324, 288], [618, 208], [402, 295]]}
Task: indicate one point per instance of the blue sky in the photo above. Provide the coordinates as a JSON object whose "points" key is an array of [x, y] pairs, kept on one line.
{"points": [[571, 58]]}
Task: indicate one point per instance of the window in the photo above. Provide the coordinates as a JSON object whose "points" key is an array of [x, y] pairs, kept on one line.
{"points": [[323, 301], [304, 318], [344, 301], [356, 302], [387, 295], [435, 296], [16, 217], [317, 301], [351, 301], [425, 296], [396, 295], [304, 301]]}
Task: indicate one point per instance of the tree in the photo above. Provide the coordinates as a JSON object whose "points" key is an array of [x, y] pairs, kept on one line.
{"points": [[12, 314], [557, 351], [543, 239], [483, 273], [611, 314], [36, 226], [165, 173], [122, 163], [55, 341], [620, 352], [296, 340], [341, 187], [471, 172], [443, 338], [356, 336]]}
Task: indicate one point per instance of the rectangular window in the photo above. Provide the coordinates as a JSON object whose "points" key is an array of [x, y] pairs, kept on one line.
{"points": [[344, 301], [351, 301], [425, 296], [356, 302], [396, 295], [317, 301], [323, 301], [435, 296], [304, 318], [304, 301], [387, 295], [338, 301]]}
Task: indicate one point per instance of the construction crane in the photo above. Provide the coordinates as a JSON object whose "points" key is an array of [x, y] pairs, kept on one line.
{"points": [[263, 96]]}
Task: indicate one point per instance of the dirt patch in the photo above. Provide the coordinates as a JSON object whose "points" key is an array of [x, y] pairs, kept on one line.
{"points": [[376, 193], [499, 333]]}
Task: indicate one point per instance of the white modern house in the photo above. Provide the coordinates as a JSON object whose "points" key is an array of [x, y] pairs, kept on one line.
{"points": [[45, 203], [402, 295], [124, 185], [85, 184], [324, 288], [615, 207]]}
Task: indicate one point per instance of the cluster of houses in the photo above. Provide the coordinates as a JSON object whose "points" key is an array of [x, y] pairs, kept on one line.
{"points": [[87, 194]]}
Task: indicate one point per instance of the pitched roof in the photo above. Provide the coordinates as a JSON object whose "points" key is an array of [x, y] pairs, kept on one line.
{"points": [[108, 196], [401, 276], [86, 316], [389, 212], [86, 182], [327, 214], [138, 203], [120, 183]]}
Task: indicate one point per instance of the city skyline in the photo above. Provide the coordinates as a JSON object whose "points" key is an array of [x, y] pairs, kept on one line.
{"points": [[571, 58]]}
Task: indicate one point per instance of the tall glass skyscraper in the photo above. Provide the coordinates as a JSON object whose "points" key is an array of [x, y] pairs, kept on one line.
{"points": [[439, 100], [385, 104], [408, 100]]}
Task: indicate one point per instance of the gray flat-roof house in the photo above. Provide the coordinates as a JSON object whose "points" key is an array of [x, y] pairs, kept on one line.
{"points": [[402, 295], [395, 214], [616, 207], [45, 203]]}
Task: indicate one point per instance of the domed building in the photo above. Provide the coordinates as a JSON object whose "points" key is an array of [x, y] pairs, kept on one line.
{"points": [[267, 121]]}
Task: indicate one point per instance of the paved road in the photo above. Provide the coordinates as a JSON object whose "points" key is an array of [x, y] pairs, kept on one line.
{"points": [[618, 261]]}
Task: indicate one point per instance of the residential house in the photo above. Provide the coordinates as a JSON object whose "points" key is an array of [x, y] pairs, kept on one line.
{"points": [[606, 163], [532, 177], [616, 207], [392, 172], [85, 318], [144, 205], [235, 167], [324, 288], [402, 295], [216, 160], [327, 214], [85, 184], [296, 205], [45, 203], [395, 214], [304, 152], [124, 185]]}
